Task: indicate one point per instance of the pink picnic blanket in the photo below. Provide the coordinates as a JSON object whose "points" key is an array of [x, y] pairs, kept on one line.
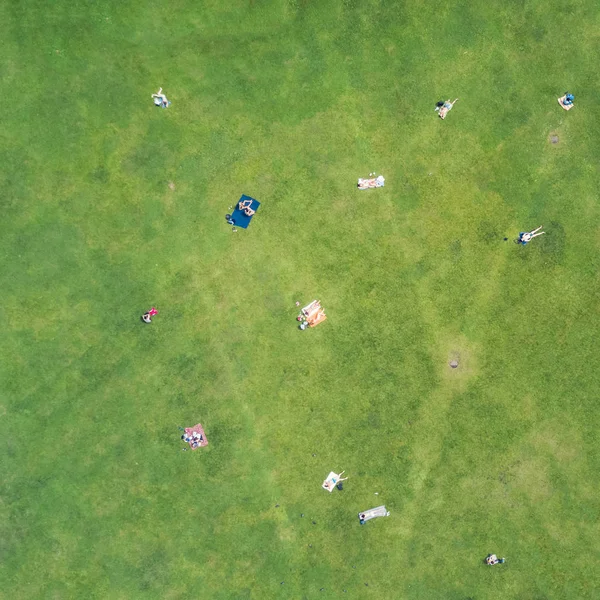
{"points": [[199, 443]]}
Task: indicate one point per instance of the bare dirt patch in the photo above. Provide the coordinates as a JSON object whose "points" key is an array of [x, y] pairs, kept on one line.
{"points": [[454, 360], [553, 138], [458, 360], [171, 185]]}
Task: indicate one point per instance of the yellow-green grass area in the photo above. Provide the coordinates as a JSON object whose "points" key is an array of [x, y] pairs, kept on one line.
{"points": [[110, 206]]}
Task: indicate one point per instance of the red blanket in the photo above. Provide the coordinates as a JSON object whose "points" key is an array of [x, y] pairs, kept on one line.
{"points": [[196, 443]]}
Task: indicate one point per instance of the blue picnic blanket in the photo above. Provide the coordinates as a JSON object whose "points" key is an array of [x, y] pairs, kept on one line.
{"points": [[238, 217]]}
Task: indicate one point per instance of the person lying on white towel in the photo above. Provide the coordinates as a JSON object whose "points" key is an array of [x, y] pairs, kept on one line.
{"points": [[365, 184], [332, 480]]}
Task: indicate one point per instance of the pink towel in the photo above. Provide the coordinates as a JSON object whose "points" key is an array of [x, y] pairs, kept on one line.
{"points": [[199, 443]]}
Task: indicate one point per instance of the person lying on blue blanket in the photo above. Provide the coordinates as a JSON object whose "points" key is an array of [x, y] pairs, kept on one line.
{"points": [[246, 206]]}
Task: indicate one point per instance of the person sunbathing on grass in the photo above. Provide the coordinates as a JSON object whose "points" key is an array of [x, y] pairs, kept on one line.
{"points": [[364, 184], [249, 211], [315, 319], [147, 316], [566, 101], [329, 484], [492, 559], [525, 238], [160, 99], [244, 204], [312, 312], [445, 108]]}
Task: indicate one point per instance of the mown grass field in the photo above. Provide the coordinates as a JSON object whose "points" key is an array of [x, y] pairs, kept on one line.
{"points": [[110, 205]]}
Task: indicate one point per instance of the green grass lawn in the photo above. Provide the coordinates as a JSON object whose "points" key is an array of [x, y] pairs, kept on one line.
{"points": [[110, 205]]}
